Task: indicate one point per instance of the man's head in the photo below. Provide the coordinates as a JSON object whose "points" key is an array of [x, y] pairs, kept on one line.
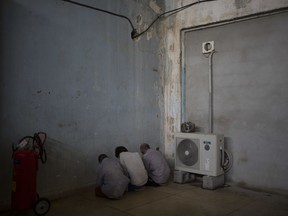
{"points": [[101, 157], [144, 147], [119, 150]]}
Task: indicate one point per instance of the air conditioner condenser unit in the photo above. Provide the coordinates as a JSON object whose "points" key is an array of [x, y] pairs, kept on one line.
{"points": [[200, 153]]}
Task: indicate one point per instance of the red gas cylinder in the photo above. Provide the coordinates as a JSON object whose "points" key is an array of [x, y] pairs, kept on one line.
{"points": [[25, 165]]}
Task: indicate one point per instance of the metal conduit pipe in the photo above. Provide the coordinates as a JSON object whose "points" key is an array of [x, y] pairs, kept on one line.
{"points": [[211, 92]]}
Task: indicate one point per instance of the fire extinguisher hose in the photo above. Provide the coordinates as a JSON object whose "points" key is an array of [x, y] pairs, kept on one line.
{"points": [[39, 143]]}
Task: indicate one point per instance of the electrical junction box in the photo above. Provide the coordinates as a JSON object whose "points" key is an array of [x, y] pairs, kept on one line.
{"points": [[208, 47]]}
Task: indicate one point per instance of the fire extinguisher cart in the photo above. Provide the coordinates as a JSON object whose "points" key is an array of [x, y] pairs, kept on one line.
{"points": [[25, 165]]}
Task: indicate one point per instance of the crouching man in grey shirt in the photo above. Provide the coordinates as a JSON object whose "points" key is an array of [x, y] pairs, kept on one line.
{"points": [[156, 166], [110, 181]]}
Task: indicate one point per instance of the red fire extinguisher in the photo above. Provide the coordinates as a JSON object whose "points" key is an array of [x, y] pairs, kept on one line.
{"points": [[25, 166]]}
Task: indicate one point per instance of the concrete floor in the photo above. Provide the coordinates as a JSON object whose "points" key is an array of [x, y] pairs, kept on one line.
{"points": [[173, 199]]}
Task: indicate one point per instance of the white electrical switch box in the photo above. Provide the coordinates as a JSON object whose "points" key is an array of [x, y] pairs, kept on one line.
{"points": [[208, 47]]}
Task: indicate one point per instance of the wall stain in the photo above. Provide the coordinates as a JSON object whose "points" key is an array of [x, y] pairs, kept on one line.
{"points": [[241, 3], [243, 158], [171, 128], [222, 121], [62, 125], [139, 19], [38, 92], [171, 47], [149, 34]]}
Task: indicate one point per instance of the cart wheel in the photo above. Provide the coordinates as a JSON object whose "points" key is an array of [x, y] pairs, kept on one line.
{"points": [[41, 206]]}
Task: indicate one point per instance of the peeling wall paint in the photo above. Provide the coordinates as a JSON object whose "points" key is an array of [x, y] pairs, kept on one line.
{"points": [[201, 14], [153, 5]]}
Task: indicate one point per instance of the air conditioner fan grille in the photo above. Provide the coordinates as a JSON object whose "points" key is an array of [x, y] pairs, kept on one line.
{"points": [[187, 152]]}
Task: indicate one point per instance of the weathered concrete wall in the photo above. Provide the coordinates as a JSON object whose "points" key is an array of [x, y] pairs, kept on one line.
{"points": [[76, 74], [201, 14], [250, 105]]}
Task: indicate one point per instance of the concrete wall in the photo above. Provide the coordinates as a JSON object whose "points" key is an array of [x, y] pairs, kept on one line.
{"points": [[76, 74], [250, 105], [201, 14]]}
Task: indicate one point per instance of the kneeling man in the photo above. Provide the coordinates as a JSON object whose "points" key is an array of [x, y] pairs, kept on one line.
{"points": [[156, 166], [134, 167], [111, 182]]}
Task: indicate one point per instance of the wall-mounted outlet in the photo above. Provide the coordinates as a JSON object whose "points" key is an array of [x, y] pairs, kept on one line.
{"points": [[208, 47]]}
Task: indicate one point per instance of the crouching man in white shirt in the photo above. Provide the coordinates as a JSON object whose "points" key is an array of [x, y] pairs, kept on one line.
{"points": [[134, 167]]}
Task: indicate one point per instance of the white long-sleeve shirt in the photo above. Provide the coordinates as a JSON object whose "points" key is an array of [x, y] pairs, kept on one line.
{"points": [[156, 166], [133, 165], [111, 178]]}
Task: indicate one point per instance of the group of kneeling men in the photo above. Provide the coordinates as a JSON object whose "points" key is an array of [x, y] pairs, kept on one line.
{"points": [[130, 172]]}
